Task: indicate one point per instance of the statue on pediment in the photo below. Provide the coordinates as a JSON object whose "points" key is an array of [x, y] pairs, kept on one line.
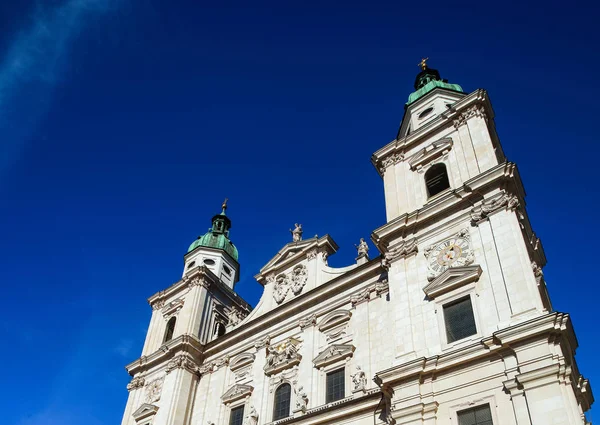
{"points": [[362, 248], [296, 233]]}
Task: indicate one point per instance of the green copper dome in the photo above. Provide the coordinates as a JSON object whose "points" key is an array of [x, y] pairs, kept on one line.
{"points": [[217, 236], [427, 80]]}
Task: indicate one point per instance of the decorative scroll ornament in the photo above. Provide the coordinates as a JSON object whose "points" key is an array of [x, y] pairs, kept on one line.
{"points": [[404, 249], [390, 160], [281, 288], [136, 383], [359, 380], [299, 278], [312, 254], [263, 342], [505, 200], [362, 296], [182, 361], [307, 321], [453, 252], [473, 111], [153, 390]]}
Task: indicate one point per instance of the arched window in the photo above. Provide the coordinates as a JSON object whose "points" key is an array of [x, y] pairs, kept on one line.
{"points": [[170, 329], [281, 407], [220, 329], [436, 179]]}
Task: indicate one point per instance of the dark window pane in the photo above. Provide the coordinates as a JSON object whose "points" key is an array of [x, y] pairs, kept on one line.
{"points": [[170, 329], [282, 402], [480, 415], [459, 319], [237, 416], [436, 179], [335, 386]]}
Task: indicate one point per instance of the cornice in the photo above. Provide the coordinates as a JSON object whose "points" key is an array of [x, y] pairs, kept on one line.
{"points": [[398, 147], [182, 345], [464, 196], [553, 323]]}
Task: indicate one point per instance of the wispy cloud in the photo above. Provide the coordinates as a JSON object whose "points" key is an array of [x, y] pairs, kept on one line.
{"points": [[38, 55]]}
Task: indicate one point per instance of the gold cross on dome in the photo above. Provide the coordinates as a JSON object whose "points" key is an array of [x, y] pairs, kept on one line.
{"points": [[423, 63]]}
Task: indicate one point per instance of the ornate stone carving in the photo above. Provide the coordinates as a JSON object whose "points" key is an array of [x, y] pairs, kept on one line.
{"points": [[473, 111], [234, 316], [307, 321], [382, 286], [281, 288], [360, 297], [182, 361], [505, 200], [301, 399], [335, 324], [198, 281], [324, 257], [362, 249], [263, 342], [153, 390], [299, 278], [537, 270], [236, 392], [296, 233], [206, 368], [173, 308], [390, 160], [136, 383], [251, 417], [312, 254], [289, 375], [403, 249], [359, 380], [333, 353], [282, 356], [158, 304], [452, 252]]}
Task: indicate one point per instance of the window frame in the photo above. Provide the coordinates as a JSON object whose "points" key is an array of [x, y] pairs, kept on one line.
{"points": [[490, 400], [172, 319], [437, 164], [240, 405], [449, 297], [327, 375], [346, 364], [445, 308], [273, 419]]}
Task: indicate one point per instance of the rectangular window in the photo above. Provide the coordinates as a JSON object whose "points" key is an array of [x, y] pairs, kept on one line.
{"points": [[237, 415], [335, 386], [459, 319], [480, 415]]}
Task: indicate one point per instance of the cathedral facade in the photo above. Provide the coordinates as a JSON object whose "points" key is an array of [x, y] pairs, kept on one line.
{"points": [[449, 324]]}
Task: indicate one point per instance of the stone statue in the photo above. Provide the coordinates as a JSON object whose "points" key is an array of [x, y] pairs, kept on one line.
{"points": [[359, 379], [234, 316], [297, 232], [252, 416], [301, 399], [362, 248]]}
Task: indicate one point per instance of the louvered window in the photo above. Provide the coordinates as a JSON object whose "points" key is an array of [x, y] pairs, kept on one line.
{"points": [[237, 416], [459, 319], [281, 407], [335, 386], [480, 415], [436, 179]]}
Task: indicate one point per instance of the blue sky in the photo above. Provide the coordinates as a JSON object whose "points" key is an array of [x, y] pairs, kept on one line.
{"points": [[124, 124]]}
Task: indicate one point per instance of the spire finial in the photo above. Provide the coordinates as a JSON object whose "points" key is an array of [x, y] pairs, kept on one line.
{"points": [[423, 63], [224, 205]]}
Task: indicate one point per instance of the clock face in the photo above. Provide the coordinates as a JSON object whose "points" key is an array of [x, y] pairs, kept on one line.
{"points": [[453, 252]]}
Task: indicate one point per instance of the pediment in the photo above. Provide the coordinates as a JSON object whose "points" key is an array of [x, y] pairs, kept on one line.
{"points": [[333, 353], [172, 307], [295, 252], [429, 153], [236, 392], [144, 411], [452, 278], [334, 319], [241, 360]]}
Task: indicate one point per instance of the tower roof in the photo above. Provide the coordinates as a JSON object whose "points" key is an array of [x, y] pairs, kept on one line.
{"points": [[217, 236], [427, 80]]}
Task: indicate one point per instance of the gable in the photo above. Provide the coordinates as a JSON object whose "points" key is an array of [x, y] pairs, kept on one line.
{"points": [[144, 412], [452, 278], [333, 353], [236, 392]]}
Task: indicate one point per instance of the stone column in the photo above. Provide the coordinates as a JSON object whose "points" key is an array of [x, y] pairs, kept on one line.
{"points": [[179, 390]]}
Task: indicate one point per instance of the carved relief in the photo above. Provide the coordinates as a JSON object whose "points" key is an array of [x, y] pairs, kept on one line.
{"points": [[236, 392], [362, 296], [241, 365], [333, 353], [301, 399], [335, 325], [153, 390], [473, 111], [158, 304], [307, 321], [299, 278], [263, 342], [403, 249], [281, 288], [172, 309], [359, 380], [234, 316], [211, 366], [282, 356], [452, 252], [182, 361], [312, 254], [198, 281], [505, 200], [136, 383], [390, 160]]}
